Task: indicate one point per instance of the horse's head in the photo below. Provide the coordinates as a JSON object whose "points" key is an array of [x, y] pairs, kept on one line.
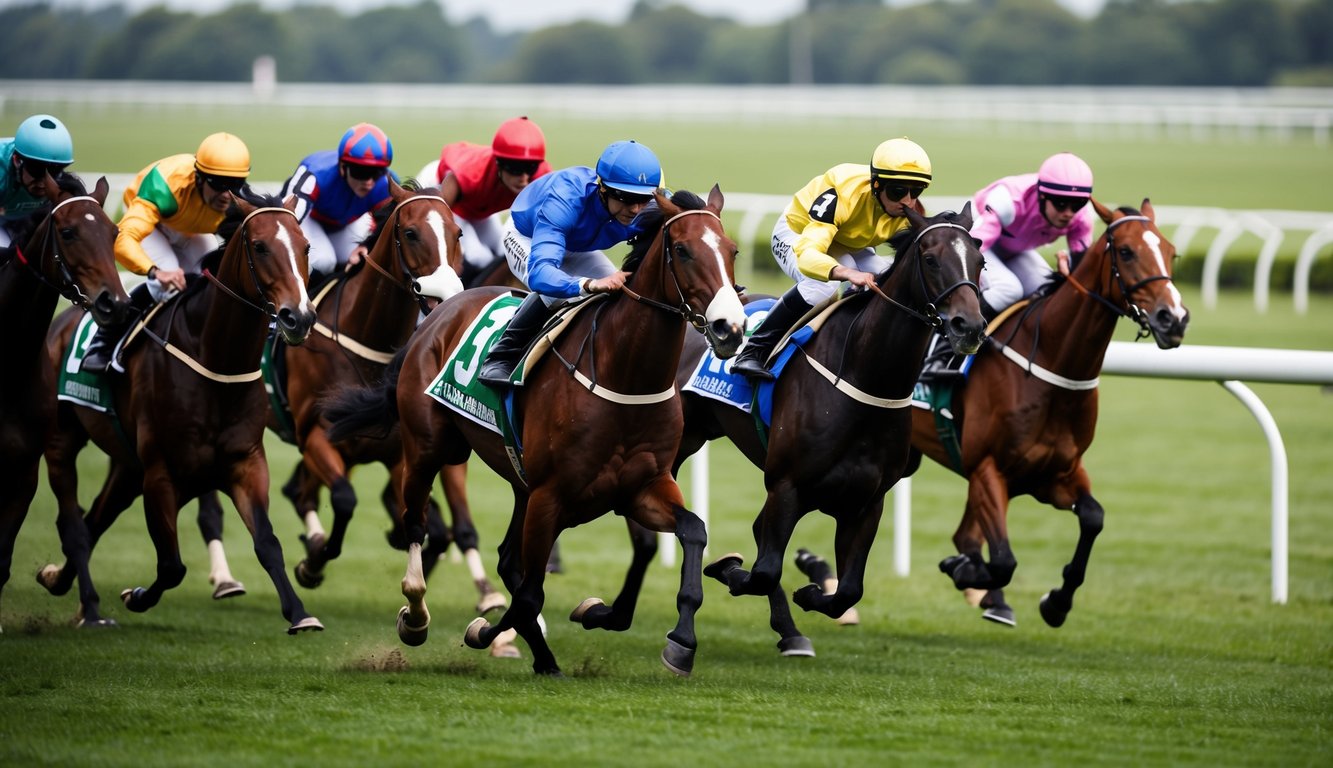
{"points": [[419, 245], [78, 256], [1140, 259], [946, 258], [266, 262], [701, 260]]}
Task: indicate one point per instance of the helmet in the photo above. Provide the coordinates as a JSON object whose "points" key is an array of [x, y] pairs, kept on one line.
{"points": [[44, 138], [1065, 175], [365, 144], [222, 154], [630, 167], [519, 139], [900, 159]]}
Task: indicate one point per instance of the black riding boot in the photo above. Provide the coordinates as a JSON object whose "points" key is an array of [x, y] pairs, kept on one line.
{"points": [[988, 312], [98, 357], [784, 314], [532, 314]]}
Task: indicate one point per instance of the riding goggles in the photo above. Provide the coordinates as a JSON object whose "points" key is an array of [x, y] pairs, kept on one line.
{"points": [[517, 167], [365, 172], [1072, 204], [899, 191], [626, 198], [39, 168], [230, 184]]}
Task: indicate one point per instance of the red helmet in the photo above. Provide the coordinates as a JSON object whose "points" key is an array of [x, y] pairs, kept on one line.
{"points": [[519, 139], [365, 144]]}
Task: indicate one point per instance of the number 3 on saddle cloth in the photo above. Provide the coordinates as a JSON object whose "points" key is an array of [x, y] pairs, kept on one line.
{"points": [[457, 387], [712, 378]]}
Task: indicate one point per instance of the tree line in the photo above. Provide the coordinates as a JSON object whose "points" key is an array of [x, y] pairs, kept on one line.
{"points": [[942, 42]]}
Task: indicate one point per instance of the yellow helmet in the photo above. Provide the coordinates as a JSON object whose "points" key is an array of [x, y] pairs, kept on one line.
{"points": [[902, 160], [222, 154]]}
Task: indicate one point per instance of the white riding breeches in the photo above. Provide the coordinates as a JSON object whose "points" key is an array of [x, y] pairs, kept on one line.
{"points": [[517, 246], [1009, 277], [169, 249], [331, 249], [812, 290]]}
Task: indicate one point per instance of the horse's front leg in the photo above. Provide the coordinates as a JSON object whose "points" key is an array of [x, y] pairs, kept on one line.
{"points": [[987, 510], [414, 618], [18, 486], [161, 507], [772, 533], [210, 527], [249, 493], [852, 542], [593, 613], [1055, 606], [326, 467]]}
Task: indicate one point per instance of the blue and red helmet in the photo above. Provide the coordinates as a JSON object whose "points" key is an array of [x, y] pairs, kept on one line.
{"points": [[365, 144]]}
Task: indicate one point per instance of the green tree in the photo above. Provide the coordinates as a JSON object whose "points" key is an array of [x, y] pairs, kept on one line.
{"points": [[584, 52], [1022, 42]]}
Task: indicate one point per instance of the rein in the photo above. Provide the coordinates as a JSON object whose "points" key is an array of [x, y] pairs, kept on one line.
{"points": [[1133, 311], [250, 262], [931, 317], [408, 283], [684, 310], [70, 288]]}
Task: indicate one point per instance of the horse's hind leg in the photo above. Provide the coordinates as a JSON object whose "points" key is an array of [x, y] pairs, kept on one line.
{"points": [[821, 574], [984, 520], [18, 484], [1055, 606], [453, 479], [592, 613], [210, 527], [853, 540]]}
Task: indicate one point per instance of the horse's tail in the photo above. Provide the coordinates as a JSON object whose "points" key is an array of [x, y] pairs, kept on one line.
{"points": [[370, 411]]}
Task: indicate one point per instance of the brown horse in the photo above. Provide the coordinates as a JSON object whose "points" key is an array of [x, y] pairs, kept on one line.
{"points": [[601, 432], [840, 427], [69, 253], [190, 408], [1027, 411]]}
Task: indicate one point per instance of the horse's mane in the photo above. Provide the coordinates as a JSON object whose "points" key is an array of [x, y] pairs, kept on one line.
{"points": [[21, 230], [903, 238], [651, 219], [1055, 280], [382, 214]]}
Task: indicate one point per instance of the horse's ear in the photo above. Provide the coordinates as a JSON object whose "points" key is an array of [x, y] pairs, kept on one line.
{"points": [[100, 191], [1102, 211], [396, 190], [52, 188], [715, 199], [290, 203], [915, 219], [1146, 209], [244, 206], [965, 216], [664, 203]]}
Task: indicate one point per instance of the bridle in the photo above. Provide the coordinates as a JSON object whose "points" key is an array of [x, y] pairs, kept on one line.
{"points": [[1131, 310], [68, 287], [408, 283], [269, 307], [684, 310], [931, 315]]}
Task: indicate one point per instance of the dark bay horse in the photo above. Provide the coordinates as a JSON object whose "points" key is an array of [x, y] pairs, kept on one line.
{"points": [[599, 424], [69, 254], [840, 430], [1027, 411], [190, 408]]}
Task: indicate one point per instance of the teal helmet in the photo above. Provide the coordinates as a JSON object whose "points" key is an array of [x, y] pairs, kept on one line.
{"points": [[630, 167], [44, 138]]}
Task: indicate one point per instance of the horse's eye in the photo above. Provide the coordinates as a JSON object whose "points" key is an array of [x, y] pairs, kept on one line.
{"points": [[260, 247], [931, 260], [681, 251], [1126, 253], [411, 234], [68, 233]]}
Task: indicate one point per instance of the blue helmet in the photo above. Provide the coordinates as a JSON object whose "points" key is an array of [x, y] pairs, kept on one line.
{"points": [[44, 138], [630, 167]]}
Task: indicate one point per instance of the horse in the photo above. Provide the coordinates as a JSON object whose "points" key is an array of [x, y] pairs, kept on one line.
{"points": [[598, 420], [839, 433], [69, 254], [190, 408], [1027, 410]]}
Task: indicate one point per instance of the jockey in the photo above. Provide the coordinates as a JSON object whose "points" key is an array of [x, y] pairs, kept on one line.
{"points": [[478, 182], [557, 227], [172, 213], [40, 147], [829, 233], [1018, 214], [336, 191]]}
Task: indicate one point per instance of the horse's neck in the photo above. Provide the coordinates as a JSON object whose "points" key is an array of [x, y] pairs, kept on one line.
{"points": [[27, 304], [889, 343], [231, 337], [372, 310], [1069, 331], [646, 340]]}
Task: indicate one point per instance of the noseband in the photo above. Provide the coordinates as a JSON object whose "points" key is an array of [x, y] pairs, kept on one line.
{"points": [[269, 308], [931, 316], [68, 286], [687, 312], [1131, 310]]}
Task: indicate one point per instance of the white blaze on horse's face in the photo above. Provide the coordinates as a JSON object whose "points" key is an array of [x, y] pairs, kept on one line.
{"points": [[443, 282], [726, 304], [960, 250], [285, 238], [1154, 244]]}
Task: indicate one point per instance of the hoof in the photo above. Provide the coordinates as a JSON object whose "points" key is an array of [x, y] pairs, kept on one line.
{"points": [[718, 568], [491, 601], [1003, 616], [132, 597], [308, 624], [307, 576], [808, 597], [49, 577], [472, 636], [228, 589], [410, 635], [313, 544], [97, 624], [579, 612], [678, 658], [502, 647], [974, 596], [850, 617], [397, 538], [1053, 615], [796, 646]]}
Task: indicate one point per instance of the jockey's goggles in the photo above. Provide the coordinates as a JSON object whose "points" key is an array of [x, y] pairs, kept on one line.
{"points": [[1072, 204], [626, 198], [365, 172], [517, 167], [230, 184], [899, 191], [39, 168]]}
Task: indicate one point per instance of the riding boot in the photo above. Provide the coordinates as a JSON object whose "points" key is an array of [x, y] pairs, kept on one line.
{"points": [[988, 313], [784, 314], [98, 357], [532, 314]]}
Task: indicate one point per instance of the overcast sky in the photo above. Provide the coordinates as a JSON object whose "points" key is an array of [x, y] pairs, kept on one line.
{"points": [[512, 15]]}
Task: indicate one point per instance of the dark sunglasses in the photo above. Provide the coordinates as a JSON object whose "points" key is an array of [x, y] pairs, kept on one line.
{"points": [[364, 172], [627, 198], [518, 167], [231, 184], [899, 191], [1067, 203], [38, 168]]}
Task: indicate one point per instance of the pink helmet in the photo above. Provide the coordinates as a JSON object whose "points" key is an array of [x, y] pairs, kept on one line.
{"points": [[1065, 175]]}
